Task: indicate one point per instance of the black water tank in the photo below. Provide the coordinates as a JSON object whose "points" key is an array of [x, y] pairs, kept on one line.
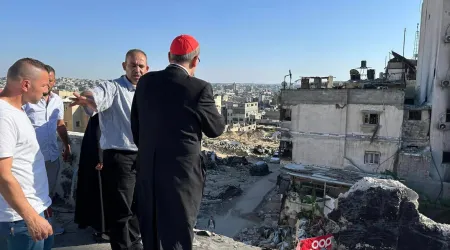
{"points": [[371, 74], [363, 64], [354, 75]]}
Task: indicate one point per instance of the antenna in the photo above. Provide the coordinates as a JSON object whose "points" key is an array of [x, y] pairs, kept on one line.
{"points": [[416, 44]]}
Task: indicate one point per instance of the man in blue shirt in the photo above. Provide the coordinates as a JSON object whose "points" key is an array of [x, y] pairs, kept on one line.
{"points": [[112, 101], [47, 117]]}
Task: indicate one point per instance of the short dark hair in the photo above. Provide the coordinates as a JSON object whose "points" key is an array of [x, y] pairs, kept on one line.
{"points": [[20, 70], [135, 51], [50, 69]]}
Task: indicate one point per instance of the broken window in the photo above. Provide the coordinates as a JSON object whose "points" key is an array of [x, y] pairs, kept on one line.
{"points": [[409, 101], [371, 118], [285, 114], [371, 157], [445, 157], [415, 115]]}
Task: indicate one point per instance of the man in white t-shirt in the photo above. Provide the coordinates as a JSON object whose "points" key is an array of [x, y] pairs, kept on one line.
{"points": [[24, 193]]}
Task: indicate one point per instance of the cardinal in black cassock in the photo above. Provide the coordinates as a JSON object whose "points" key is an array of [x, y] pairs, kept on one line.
{"points": [[171, 109]]}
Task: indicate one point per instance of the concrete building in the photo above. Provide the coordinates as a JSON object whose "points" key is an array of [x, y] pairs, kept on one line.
{"points": [[75, 118], [243, 113], [342, 128], [218, 101]]}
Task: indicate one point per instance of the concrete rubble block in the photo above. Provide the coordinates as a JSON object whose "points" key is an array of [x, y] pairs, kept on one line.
{"points": [[259, 169], [383, 214]]}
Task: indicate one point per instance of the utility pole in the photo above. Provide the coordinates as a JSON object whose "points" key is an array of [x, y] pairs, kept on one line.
{"points": [[404, 38], [416, 44]]}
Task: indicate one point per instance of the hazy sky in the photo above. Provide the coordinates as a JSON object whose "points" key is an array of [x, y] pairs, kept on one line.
{"points": [[241, 40]]}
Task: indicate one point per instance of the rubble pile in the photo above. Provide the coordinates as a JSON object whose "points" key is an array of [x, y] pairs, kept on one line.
{"points": [[255, 142], [212, 161], [267, 234], [383, 214], [205, 240], [226, 178], [226, 147]]}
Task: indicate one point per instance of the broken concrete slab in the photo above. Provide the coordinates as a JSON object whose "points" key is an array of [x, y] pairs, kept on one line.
{"points": [[383, 214]]}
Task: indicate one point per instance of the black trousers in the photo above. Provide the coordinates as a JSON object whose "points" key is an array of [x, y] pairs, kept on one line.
{"points": [[118, 181]]}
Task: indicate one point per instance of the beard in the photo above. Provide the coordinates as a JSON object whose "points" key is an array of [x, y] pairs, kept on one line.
{"points": [[49, 92]]}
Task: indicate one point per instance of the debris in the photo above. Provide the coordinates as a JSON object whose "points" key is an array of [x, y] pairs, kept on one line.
{"points": [[383, 214], [259, 169], [230, 192]]}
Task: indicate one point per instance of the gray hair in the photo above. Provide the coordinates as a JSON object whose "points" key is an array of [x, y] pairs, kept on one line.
{"points": [[184, 58], [135, 51], [21, 68]]}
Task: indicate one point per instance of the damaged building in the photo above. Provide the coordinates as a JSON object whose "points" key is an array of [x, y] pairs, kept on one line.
{"points": [[357, 129]]}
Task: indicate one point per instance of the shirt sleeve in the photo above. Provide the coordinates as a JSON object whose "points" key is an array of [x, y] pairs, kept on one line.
{"points": [[61, 110], [104, 95], [8, 137]]}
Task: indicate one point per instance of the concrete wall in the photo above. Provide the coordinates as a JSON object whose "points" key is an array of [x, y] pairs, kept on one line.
{"points": [[66, 186], [433, 65], [416, 132], [343, 96], [327, 127], [414, 166]]}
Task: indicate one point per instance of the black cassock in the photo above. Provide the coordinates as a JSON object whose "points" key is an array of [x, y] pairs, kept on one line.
{"points": [[170, 112], [87, 202]]}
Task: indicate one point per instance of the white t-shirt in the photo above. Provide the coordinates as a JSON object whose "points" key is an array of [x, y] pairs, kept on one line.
{"points": [[18, 140]]}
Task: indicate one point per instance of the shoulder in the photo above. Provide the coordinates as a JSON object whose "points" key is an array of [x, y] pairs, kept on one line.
{"points": [[151, 75], [109, 86], [8, 118], [203, 85], [148, 77], [56, 97]]}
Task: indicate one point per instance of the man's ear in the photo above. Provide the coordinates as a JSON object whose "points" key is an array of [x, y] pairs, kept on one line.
{"points": [[26, 84], [194, 62], [124, 66]]}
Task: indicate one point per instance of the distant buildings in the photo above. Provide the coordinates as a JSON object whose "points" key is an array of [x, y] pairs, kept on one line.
{"points": [[74, 117]]}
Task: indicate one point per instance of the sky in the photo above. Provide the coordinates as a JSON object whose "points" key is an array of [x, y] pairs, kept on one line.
{"points": [[244, 41]]}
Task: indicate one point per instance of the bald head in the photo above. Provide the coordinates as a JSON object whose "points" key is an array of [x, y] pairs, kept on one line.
{"points": [[25, 68]]}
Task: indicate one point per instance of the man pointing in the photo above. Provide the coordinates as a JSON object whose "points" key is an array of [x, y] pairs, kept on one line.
{"points": [[112, 101], [171, 109]]}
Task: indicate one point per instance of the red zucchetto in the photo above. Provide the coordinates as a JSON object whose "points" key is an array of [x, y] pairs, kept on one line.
{"points": [[183, 44]]}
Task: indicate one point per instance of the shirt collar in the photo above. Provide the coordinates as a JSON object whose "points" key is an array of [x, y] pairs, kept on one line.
{"points": [[180, 66], [128, 84], [50, 97]]}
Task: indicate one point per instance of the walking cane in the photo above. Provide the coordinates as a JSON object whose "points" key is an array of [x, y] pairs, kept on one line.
{"points": [[102, 233]]}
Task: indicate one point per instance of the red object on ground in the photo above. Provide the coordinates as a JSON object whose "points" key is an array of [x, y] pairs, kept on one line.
{"points": [[316, 243]]}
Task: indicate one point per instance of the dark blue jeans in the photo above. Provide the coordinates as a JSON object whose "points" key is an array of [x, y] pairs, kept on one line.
{"points": [[15, 236]]}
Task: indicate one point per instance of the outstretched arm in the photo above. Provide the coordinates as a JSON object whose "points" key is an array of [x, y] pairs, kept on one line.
{"points": [[213, 123], [96, 100]]}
